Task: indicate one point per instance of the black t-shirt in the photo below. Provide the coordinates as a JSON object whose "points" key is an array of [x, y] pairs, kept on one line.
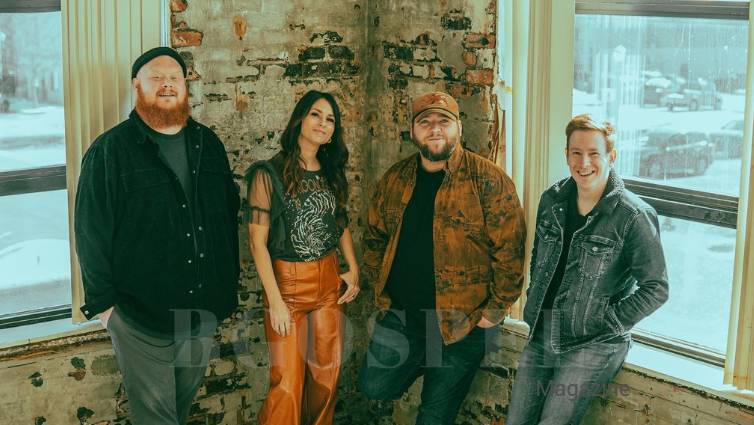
{"points": [[411, 282], [173, 151], [311, 228], [574, 222]]}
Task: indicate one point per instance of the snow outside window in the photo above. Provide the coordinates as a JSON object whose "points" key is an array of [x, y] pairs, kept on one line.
{"points": [[34, 247], [674, 88]]}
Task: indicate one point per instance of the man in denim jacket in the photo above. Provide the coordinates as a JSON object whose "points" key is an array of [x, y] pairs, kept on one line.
{"points": [[597, 269]]}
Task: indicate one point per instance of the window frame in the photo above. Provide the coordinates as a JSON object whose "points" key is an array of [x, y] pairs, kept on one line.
{"points": [[663, 8], [29, 6], [693, 205], [33, 180]]}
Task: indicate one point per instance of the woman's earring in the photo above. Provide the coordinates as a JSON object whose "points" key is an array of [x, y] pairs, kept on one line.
{"points": [[329, 140]]}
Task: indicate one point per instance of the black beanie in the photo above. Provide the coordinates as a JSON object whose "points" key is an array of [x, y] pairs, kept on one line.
{"points": [[153, 53]]}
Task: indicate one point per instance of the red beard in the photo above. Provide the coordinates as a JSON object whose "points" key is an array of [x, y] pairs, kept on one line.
{"points": [[158, 117]]}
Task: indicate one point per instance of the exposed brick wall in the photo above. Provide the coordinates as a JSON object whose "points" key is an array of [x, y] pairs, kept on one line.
{"points": [[418, 46], [249, 61]]}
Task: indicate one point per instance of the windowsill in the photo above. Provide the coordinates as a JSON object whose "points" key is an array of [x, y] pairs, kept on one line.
{"points": [[669, 367], [684, 371], [12, 339], [649, 361]]}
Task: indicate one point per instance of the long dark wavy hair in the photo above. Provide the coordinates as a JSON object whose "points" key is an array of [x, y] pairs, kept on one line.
{"points": [[332, 156]]}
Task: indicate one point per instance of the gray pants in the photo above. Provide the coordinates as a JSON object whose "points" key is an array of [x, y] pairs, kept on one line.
{"points": [[161, 376]]}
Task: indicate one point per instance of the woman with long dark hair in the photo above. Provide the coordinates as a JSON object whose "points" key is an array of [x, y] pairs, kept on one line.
{"points": [[297, 220]]}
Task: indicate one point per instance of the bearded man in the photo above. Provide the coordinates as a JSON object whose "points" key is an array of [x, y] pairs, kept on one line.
{"points": [[444, 250], [157, 240]]}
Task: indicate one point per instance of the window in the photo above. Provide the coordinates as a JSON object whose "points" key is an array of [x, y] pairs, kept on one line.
{"points": [[671, 76], [34, 248]]}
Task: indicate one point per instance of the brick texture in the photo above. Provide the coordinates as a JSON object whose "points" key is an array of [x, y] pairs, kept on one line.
{"points": [[249, 61]]}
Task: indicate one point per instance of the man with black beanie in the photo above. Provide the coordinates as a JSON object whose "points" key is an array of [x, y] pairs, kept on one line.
{"points": [[157, 240]]}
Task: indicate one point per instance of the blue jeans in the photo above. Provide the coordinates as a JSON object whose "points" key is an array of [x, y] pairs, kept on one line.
{"points": [[552, 388], [397, 355]]}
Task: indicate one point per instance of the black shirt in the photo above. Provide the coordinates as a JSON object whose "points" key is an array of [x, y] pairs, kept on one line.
{"points": [[302, 227], [311, 230], [173, 151], [411, 282], [574, 222]]}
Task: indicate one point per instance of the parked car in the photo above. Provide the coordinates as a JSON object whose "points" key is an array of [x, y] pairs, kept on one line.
{"points": [[694, 95], [668, 153], [655, 87], [728, 139]]}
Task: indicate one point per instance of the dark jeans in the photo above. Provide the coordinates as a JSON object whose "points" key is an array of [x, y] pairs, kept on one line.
{"points": [[398, 355], [552, 388]]}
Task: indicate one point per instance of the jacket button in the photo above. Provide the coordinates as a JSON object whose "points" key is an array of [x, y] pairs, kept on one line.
{"points": [[200, 228], [189, 261], [197, 146], [199, 285], [191, 292], [86, 311], [201, 255], [193, 171], [188, 235], [594, 248], [183, 206]]}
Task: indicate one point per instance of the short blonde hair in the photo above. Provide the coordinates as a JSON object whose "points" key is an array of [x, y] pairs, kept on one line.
{"points": [[584, 122]]}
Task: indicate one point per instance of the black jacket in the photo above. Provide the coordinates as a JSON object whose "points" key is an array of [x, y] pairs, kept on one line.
{"points": [[140, 244]]}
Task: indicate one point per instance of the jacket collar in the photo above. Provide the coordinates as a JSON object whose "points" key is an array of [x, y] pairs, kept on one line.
{"points": [[610, 197], [455, 158], [142, 133]]}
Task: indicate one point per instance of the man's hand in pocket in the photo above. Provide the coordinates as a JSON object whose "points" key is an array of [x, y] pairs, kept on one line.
{"points": [[105, 316]]}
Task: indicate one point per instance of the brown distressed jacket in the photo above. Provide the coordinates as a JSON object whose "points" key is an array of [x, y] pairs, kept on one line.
{"points": [[479, 237]]}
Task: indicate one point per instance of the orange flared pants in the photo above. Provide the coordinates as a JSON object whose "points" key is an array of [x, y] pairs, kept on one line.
{"points": [[305, 365]]}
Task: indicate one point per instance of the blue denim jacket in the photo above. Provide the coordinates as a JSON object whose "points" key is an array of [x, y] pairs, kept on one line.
{"points": [[615, 273]]}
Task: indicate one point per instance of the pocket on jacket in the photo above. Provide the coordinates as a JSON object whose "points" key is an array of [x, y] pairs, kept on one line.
{"points": [[547, 237], [148, 187], [145, 179], [596, 253], [212, 183], [594, 319]]}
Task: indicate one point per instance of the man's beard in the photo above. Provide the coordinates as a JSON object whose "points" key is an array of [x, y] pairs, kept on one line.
{"points": [[442, 155], [157, 116]]}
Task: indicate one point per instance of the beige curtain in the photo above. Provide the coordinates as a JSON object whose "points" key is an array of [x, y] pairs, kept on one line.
{"points": [[101, 38], [513, 26], [739, 364], [539, 77]]}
